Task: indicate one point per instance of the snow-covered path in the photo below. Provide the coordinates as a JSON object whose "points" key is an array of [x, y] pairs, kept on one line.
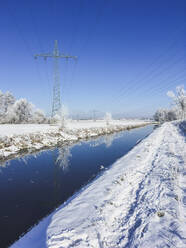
{"points": [[139, 202]]}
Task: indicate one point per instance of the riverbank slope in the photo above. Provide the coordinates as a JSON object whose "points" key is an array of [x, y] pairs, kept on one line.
{"points": [[25, 138]]}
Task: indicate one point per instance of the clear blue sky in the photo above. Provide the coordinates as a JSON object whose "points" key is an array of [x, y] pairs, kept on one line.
{"points": [[130, 52]]}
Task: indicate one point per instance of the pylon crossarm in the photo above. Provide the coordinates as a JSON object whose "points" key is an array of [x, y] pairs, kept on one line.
{"points": [[66, 56], [55, 56], [43, 55]]}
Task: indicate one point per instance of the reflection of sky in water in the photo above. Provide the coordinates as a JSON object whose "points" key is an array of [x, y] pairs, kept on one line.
{"points": [[64, 152], [106, 139]]}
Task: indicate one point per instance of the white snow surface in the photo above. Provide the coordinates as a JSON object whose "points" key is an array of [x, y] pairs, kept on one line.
{"points": [[122, 207], [15, 138], [19, 129]]}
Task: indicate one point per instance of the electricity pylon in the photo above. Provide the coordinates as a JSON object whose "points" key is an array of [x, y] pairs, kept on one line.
{"points": [[56, 101]]}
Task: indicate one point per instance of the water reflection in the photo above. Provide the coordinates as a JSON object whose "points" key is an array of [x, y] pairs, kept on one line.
{"points": [[64, 153], [106, 139], [23, 160], [4, 164], [63, 158]]}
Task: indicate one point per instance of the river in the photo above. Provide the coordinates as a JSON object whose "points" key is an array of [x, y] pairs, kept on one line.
{"points": [[32, 186]]}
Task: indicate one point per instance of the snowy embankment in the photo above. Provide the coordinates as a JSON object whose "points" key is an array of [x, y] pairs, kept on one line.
{"points": [[139, 202], [16, 138]]}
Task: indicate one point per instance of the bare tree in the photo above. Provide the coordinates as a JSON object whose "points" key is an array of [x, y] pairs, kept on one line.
{"points": [[179, 99]]}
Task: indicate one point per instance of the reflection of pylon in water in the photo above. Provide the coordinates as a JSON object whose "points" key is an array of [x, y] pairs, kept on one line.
{"points": [[56, 179], [60, 163], [56, 102]]}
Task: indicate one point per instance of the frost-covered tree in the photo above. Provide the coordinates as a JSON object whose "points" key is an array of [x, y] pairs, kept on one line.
{"points": [[55, 119], [163, 115], [39, 117], [6, 101], [1, 104], [179, 99], [160, 115], [20, 112], [179, 107], [64, 116], [172, 114], [9, 100], [60, 118], [108, 118]]}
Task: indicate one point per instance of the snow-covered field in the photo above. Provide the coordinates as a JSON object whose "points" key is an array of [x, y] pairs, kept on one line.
{"points": [[139, 202], [15, 138]]}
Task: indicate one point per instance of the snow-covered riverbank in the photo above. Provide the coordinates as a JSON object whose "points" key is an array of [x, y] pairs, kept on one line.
{"points": [[16, 138], [139, 202]]}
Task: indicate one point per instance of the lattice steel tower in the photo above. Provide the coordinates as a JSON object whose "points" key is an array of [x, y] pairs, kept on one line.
{"points": [[56, 101]]}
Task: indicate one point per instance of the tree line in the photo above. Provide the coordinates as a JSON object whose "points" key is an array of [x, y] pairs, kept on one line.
{"points": [[178, 108], [19, 111]]}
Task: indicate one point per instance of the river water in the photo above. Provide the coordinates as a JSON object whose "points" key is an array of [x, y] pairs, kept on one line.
{"points": [[32, 186]]}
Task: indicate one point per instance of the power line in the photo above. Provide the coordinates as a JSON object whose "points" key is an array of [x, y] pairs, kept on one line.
{"points": [[144, 75], [155, 90], [154, 74]]}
